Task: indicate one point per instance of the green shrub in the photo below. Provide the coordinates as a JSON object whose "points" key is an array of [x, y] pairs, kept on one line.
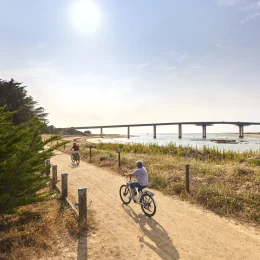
{"points": [[22, 156]]}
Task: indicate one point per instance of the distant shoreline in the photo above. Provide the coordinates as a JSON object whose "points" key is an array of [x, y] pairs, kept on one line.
{"points": [[94, 138], [236, 134], [99, 136]]}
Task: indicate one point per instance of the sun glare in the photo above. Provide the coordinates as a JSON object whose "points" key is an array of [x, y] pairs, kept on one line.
{"points": [[86, 16]]}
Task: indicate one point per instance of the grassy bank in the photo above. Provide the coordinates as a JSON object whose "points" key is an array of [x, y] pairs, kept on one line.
{"points": [[226, 182]]}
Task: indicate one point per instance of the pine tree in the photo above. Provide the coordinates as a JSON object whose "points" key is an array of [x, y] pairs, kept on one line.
{"points": [[22, 156], [14, 97]]}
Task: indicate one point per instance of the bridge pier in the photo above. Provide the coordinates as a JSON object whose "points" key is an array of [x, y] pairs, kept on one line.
{"points": [[154, 131], [128, 132], [180, 130], [101, 132], [204, 131], [241, 131]]}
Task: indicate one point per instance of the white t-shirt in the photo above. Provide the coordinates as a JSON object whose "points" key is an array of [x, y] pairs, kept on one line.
{"points": [[141, 176]]}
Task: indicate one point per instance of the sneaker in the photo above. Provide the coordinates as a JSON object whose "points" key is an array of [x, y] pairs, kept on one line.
{"points": [[135, 199]]}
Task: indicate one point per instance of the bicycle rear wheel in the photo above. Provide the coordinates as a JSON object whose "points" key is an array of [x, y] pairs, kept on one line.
{"points": [[77, 158], [125, 194], [73, 158], [148, 204]]}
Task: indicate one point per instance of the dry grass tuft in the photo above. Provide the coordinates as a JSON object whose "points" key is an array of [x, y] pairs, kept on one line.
{"points": [[39, 230]]}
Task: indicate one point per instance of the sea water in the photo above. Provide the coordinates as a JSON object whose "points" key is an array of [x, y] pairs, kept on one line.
{"points": [[195, 140]]}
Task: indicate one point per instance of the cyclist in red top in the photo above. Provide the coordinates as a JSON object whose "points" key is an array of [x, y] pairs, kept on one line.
{"points": [[75, 155], [75, 148]]}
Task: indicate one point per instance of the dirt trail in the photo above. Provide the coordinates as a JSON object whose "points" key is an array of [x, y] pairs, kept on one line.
{"points": [[178, 230]]}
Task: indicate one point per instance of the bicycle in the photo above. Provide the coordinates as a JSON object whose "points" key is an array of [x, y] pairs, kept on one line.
{"points": [[75, 158], [146, 199]]}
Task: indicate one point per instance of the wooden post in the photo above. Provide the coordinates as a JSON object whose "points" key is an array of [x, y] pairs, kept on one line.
{"points": [[54, 172], [48, 166], [119, 159], [64, 185], [187, 178], [82, 197]]}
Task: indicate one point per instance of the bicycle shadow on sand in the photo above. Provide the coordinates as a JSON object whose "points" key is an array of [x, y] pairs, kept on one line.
{"points": [[72, 165], [154, 235]]}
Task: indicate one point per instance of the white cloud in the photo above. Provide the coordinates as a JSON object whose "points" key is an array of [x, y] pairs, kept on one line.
{"points": [[58, 92], [252, 6], [187, 72], [134, 66], [229, 44], [183, 57], [170, 68], [171, 53], [198, 67], [140, 66], [227, 2], [250, 18], [41, 45]]}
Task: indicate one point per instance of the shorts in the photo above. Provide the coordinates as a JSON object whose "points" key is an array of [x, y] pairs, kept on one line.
{"points": [[76, 152], [135, 184]]}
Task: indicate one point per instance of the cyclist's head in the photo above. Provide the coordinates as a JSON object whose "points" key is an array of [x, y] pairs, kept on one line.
{"points": [[74, 143], [139, 164]]}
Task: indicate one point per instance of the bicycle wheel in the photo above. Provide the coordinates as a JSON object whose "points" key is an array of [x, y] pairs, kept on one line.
{"points": [[148, 204], [77, 159], [73, 158], [125, 194]]}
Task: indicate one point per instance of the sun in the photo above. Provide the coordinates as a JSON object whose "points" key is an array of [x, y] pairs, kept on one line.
{"points": [[86, 16]]}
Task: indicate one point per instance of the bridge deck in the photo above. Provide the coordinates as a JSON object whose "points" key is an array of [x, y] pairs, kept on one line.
{"points": [[173, 123]]}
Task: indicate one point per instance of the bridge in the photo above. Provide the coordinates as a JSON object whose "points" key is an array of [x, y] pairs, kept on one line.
{"points": [[204, 125]]}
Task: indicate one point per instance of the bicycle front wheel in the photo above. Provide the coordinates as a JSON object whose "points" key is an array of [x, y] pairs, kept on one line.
{"points": [[148, 205], [125, 194]]}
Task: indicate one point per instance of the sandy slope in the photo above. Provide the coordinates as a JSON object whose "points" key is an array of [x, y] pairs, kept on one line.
{"points": [[177, 231]]}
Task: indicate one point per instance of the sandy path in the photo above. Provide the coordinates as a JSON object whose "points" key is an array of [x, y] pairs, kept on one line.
{"points": [[177, 231]]}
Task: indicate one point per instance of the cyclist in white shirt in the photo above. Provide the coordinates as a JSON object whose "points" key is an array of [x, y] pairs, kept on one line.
{"points": [[141, 179]]}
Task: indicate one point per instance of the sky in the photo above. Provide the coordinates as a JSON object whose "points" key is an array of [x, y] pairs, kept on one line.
{"points": [[110, 62]]}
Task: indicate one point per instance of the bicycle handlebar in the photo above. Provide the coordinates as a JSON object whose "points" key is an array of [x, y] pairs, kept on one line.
{"points": [[128, 177], [124, 174]]}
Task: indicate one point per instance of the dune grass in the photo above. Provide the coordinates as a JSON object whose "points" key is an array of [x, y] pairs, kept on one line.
{"points": [[226, 182]]}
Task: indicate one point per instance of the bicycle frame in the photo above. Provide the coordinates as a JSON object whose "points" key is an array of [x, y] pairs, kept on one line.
{"points": [[139, 194]]}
